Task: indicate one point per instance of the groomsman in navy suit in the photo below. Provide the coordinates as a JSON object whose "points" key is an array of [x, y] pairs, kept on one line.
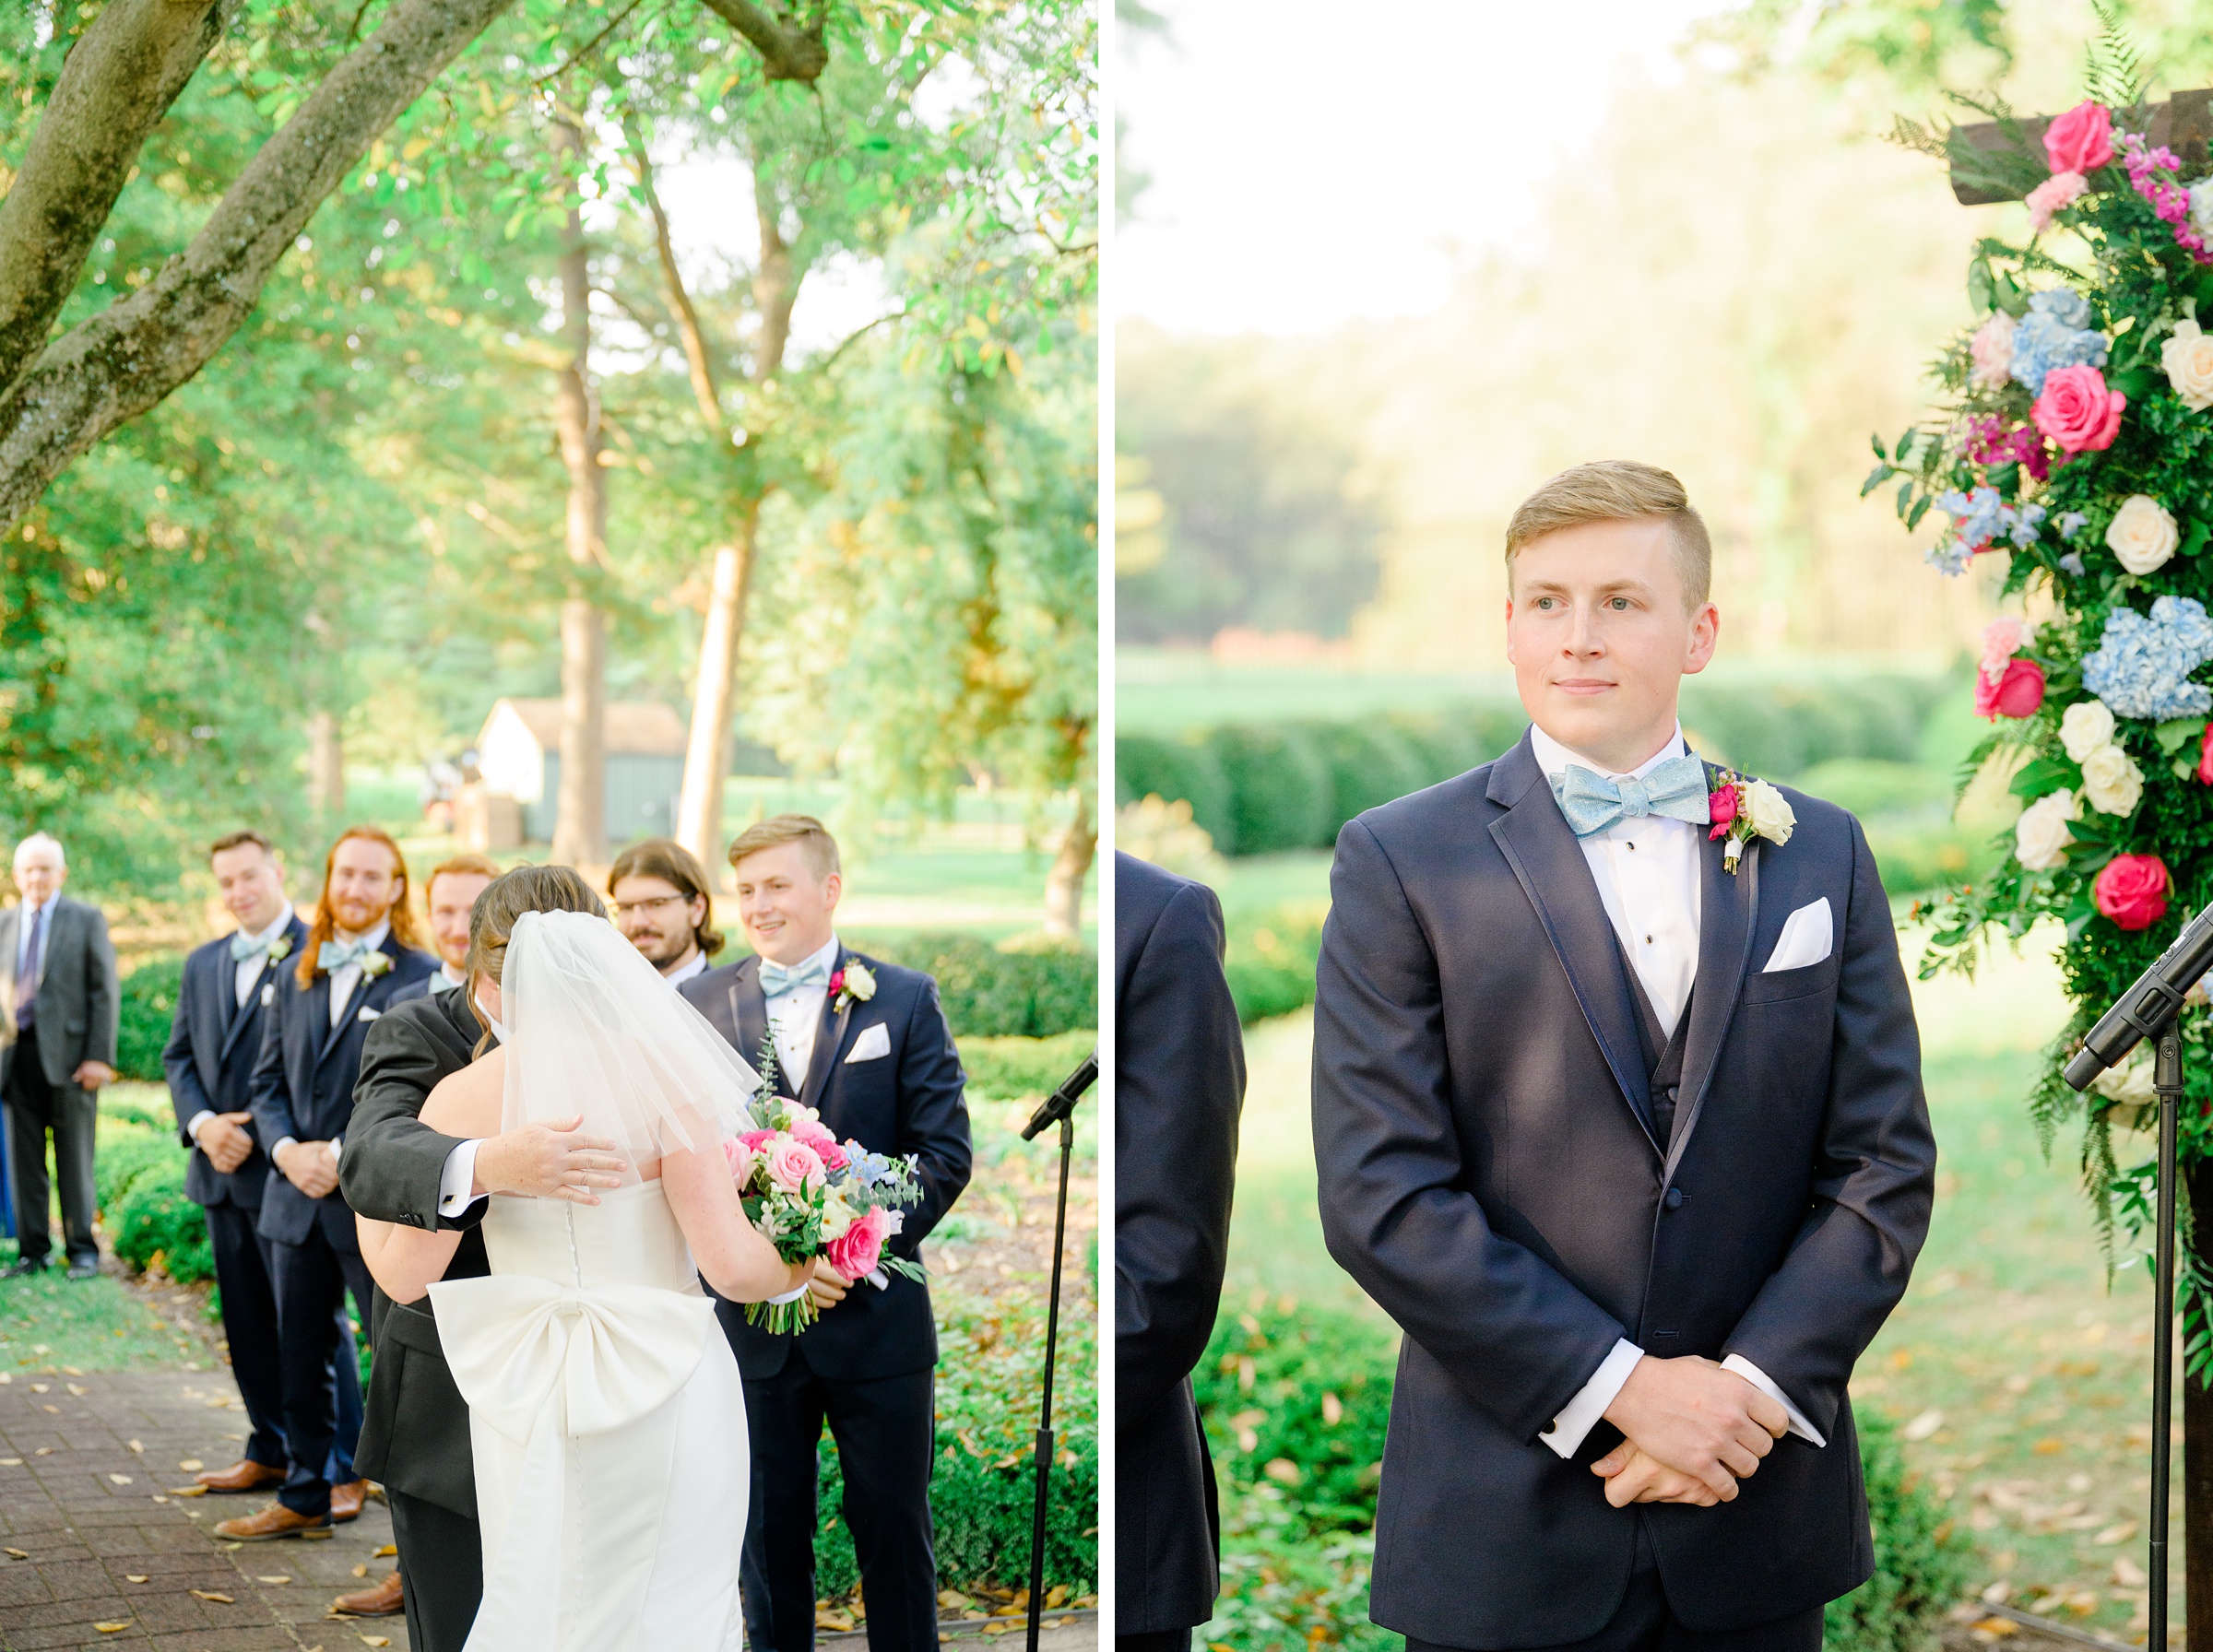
{"points": [[357, 952], [867, 1044], [1617, 1112], [210, 1055]]}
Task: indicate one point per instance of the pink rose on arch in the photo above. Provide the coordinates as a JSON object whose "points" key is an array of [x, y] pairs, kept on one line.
{"points": [[856, 1251], [793, 1165], [2132, 890], [2016, 693], [2077, 410], [2080, 140], [741, 1159], [2205, 758]]}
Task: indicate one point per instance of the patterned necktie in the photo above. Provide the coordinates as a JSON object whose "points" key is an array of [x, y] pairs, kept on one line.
{"points": [[336, 954], [34, 966], [777, 979], [1675, 788]]}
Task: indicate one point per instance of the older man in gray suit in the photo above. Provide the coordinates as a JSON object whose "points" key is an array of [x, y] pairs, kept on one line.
{"points": [[57, 1047]]}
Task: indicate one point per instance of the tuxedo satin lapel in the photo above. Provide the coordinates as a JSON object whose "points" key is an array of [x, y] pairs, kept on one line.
{"points": [[1537, 843], [237, 1017], [829, 1044], [749, 1009], [329, 1032], [1728, 910]]}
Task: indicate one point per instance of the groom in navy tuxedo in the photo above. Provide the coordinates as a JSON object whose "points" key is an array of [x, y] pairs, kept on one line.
{"points": [[865, 1043], [1627, 1133]]}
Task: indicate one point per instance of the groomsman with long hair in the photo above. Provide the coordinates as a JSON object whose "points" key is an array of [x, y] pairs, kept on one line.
{"points": [[361, 949]]}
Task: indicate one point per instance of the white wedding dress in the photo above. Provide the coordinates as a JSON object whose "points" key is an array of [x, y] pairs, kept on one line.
{"points": [[606, 1411]]}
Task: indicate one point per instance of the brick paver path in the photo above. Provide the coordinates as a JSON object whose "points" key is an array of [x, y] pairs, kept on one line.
{"points": [[87, 1468]]}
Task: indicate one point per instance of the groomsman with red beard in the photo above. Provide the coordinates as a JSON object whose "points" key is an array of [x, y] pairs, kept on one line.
{"points": [[358, 953]]}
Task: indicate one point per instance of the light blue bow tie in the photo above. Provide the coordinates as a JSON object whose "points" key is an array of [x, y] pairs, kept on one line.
{"points": [[776, 979], [243, 945], [336, 954], [1676, 788]]}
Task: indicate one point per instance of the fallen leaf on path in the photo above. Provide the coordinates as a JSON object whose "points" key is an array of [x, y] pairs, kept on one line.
{"points": [[120, 1480], [43, 1451], [192, 1465], [159, 1498], [387, 1548], [111, 1628], [18, 1554], [39, 1387], [323, 1534], [2127, 1574], [361, 1571], [216, 1594], [55, 1409], [279, 1579], [135, 1445], [376, 1640], [11, 1462], [2050, 1446], [73, 1371], [2119, 1532], [74, 1388], [1998, 1626], [133, 1577]]}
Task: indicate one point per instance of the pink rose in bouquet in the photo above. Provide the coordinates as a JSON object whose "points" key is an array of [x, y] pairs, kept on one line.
{"points": [[2205, 758], [2132, 890], [2016, 693], [740, 1159], [2080, 140], [816, 1136], [757, 1139], [860, 1248], [2077, 410], [793, 1165]]}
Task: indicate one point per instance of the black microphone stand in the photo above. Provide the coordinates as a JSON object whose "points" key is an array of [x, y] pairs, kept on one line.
{"points": [[1057, 1108]]}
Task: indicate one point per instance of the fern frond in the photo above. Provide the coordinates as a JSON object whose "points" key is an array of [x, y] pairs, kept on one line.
{"points": [[2112, 71], [1909, 134]]}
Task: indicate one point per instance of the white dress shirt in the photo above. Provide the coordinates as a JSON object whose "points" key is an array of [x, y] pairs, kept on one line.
{"points": [[795, 1016], [245, 976], [343, 985], [1647, 872], [694, 965]]}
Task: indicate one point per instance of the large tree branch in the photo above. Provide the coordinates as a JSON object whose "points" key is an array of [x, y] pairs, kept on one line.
{"points": [[679, 299], [117, 364], [788, 51], [116, 84]]}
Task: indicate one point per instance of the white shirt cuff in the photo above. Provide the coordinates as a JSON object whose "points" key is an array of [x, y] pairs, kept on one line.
{"points": [[1760, 1380], [192, 1125], [1581, 1414], [457, 1178], [282, 1142]]}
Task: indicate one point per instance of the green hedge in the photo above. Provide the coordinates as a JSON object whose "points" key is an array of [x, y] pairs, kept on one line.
{"points": [[147, 1009], [1295, 1402], [138, 1178], [989, 993], [1271, 963], [1259, 787]]}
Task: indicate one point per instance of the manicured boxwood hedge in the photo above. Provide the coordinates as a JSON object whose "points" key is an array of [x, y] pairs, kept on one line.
{"points": [[1295, 1402], [147, 1009], [1258, 787]]}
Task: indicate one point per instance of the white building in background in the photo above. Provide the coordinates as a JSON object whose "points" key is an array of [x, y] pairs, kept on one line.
{"points": [[519, 754]]}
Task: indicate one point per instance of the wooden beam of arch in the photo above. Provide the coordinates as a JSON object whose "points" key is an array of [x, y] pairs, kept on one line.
{"points": [[1985, 166]]}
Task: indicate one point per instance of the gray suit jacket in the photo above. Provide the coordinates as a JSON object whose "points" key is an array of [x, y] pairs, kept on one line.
{"points": [[77, 993]]}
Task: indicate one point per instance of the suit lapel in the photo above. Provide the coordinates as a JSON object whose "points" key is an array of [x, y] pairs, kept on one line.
{"points": [[237, 1017], [1537, 843], [829, 1042], [1728, 910], [749, 1014]]}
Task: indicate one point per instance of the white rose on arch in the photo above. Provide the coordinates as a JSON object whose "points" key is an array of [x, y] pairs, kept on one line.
{"points": [[2142, 535], [2041, 837], [2188, 358], [2113, 785], [2087, 725]]}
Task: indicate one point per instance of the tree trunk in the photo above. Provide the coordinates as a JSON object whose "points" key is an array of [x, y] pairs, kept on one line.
{"points": [[325, 772], [580, 815], [707, 759], [1064, 882], [2198, 1444], [114, 366]]}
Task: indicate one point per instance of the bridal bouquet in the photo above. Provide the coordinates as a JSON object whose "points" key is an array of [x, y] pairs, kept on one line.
{"points": [[811, 1196]]}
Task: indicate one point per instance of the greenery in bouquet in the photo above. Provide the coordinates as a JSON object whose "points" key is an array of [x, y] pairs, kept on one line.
{"points": [[2073, 446], [812, 1196]]}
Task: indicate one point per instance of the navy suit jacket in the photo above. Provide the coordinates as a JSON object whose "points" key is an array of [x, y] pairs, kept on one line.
{"points": [[302, 1084], [910, 1100], [209, 1058], [1488, 1174], [1179, 1084]]}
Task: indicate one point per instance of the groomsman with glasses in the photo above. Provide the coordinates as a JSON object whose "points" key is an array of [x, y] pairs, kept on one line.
{"points": [[58, 1005], [658, 891], [357, 952]]}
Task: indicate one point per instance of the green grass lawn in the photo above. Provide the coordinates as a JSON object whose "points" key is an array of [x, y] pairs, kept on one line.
{"points": [[2022, 1381]]}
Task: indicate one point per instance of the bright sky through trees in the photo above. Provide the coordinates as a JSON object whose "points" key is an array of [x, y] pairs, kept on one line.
{"points": [[1308, 165]]}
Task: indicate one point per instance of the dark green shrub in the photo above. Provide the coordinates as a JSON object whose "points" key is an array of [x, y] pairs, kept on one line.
{"points": [[1280, 792], [123, 1156], [146, 1009], [991, 994], [1270, 964], [1369, 763], [151, 1217], [1007, 1070], [1920, 1564], [1173, 769]]}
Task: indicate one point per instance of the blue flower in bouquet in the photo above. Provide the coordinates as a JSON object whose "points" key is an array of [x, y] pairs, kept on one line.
{"points": [[2142, 668], [2069, 522], [2056, 333], [1979, 519]]}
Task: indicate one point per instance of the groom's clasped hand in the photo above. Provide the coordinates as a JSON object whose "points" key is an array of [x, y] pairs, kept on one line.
{"points": [[1692, 1430]]}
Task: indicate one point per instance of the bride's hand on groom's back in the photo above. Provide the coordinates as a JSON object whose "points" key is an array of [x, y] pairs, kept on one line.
{"points": [[549, 1162]]}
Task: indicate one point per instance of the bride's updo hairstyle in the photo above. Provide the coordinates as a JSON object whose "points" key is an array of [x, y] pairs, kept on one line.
{"points": [[505, 898]]}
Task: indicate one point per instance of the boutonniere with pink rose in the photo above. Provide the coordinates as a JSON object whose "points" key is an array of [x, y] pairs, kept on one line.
{"points": [[1743, 809], [850, 985]]}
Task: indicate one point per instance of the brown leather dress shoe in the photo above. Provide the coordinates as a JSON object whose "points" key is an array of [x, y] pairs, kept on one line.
{"points": [[346, 1501], [275, 1521], [246, 1475], [382, 1601]]}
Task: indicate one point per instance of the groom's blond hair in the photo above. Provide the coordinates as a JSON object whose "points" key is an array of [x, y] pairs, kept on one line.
{"points": [[1618, 491]]}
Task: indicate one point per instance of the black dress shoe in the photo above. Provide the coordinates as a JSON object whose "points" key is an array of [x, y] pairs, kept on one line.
{"points": [[84, 1269], [17, 1270]]}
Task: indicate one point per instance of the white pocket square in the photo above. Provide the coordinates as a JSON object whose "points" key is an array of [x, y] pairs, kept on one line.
{"points": [[368, 1014], [268, 994], [873, 1044], [1807, 936]]}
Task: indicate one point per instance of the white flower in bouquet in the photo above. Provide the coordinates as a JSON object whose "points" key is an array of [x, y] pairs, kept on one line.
{"points": [[1770, 811], [2142, 535], [2188, 358], [2201, 206], [1991, 349], [838, 1216], [2113, 785], [2041, 837], [2087, 725]]}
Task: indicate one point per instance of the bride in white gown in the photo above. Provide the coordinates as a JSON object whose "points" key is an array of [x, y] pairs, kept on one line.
{"points": [[606, 1411]]}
